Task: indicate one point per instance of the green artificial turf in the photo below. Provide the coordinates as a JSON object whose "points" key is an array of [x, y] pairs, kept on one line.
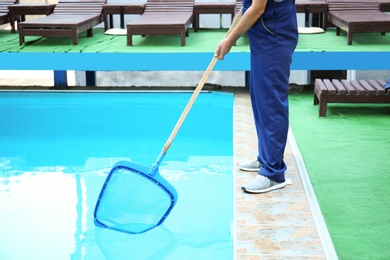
{"points": [[205, 40], [347, 156]]}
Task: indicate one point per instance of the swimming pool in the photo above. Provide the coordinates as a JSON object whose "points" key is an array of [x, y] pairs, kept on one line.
{"points": [[56, 149]]}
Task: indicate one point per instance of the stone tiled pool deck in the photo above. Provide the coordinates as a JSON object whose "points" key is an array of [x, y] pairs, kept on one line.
{"points": [[281, 224]]}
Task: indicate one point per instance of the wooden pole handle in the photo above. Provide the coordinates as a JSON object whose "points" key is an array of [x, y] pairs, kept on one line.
{"points": [[198, 89]]}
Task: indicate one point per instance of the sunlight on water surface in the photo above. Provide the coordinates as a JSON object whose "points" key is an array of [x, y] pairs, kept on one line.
{"points": [[56, 150]]}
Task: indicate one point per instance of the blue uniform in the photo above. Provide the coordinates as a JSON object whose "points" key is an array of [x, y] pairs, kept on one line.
{"points": [[272, 40]]}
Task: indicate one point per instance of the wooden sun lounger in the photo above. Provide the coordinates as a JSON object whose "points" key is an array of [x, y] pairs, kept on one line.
{"points": [[69, 18], [168, 17], [4, 16], [357, 16], [336, 91]]}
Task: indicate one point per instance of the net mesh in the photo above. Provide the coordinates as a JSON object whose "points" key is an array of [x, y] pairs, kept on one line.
{"points": [[133, 201]]}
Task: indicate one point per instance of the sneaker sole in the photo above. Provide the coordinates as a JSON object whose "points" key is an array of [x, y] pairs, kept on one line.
{"points": [[249, 169], [274, 187]]}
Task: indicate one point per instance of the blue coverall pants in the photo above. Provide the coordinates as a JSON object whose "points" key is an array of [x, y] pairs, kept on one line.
{"points": [[272, 40]]}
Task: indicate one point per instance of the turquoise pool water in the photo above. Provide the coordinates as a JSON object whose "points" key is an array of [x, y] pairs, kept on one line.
{"points": [[56, 150]]}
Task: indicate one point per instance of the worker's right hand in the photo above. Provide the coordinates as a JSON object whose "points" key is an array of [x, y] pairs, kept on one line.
{"points": [[223, 48]]}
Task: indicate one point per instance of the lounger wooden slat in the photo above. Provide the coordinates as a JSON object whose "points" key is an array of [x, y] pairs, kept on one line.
{"points": [[361, 91], [329, 87], [359, 88], [318, 91], [367, 87], [86, 8], [339, 87], [172, 5], [382, 83], [379, 88], [349, 88]]}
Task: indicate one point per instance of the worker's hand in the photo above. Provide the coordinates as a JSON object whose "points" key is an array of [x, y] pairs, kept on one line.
{"points": [[223, 48]]}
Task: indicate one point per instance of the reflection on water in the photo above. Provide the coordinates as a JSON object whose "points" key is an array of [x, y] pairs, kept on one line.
{"points": [[157, 243], [50, 214], [49, 184]]}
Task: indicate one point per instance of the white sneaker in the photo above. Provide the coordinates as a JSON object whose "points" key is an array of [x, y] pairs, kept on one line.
{"points": [[262, 184], [253, 166]]}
